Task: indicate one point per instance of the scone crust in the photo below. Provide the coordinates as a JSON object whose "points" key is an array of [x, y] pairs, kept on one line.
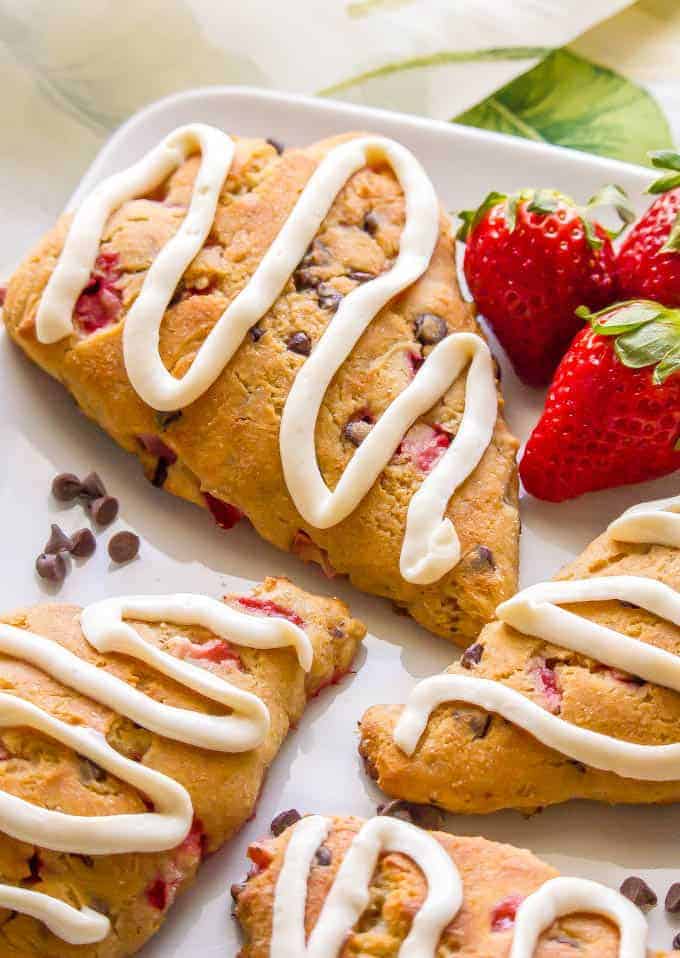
{"points": [[490, 873], [227, 441], [466, 763], [136, 890]]}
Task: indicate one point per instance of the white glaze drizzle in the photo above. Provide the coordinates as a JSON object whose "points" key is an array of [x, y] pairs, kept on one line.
{"points": [[349, 896], [167, 826], [431, 547], [536, 612], [657, 522]]}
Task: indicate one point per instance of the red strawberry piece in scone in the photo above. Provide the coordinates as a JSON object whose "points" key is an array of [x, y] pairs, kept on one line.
{"points": [[531, 259], [612, 415], [648, 263], [99, 304]]}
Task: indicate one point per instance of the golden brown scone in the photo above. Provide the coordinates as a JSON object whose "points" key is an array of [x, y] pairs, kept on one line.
{"points": [[495, 880], [472, 761], [136, 890], [225, 445]]}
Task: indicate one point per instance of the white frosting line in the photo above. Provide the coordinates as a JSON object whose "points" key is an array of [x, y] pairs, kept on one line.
{"points": [[94, 835], [164, 828], [564, 896], [657, 521], [72, 272], [431, 547], [74, 926], [535, 612], [349, 894]]}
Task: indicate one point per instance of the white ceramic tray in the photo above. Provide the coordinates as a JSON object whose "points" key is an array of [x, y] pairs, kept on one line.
{"points": [[318, 770]]}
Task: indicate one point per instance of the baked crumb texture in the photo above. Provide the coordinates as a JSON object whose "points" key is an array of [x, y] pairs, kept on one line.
{"points": [[496, 878], [223, 450], [136, 890], [472, 761]]}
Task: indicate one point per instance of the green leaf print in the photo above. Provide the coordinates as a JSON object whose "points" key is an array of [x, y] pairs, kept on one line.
{"points": [[570, 101]]}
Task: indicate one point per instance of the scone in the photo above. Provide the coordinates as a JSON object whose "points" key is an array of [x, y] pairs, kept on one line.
{"points": [[134, 738], [384, 888], [282, 336], [572, 693]]}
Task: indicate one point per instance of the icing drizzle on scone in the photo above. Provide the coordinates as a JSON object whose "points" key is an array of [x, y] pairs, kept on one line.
{"points": [[431, 546], [536, 611], [170, 821], [349, 895]]}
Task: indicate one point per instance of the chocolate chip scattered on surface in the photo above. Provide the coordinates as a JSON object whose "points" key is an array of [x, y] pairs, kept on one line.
{"points": [[124, 546], [104, 510], [425, 816], [58, 541], [92, 487], [284, 820], [638, 891], [66, 487], [83, 544], [51, 567], [672, 902]]}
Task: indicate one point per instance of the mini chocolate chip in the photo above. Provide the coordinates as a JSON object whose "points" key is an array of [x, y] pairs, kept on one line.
{"points": [[638, 891], [100, 905], [472, 655], [236, 889], [256, 333], [58, 541], [277, 144], [92, 487], [284, 820], [66, 487], [34, 866], [430, 329], [425, 816], [579, 766], [160, 473], [628, 605], [90, 771], [84, 544], [103, 510], [337, 632], [480, 558], [87, 860], [356, 430], [51, 567], [360, 276], [165, 419], [328, 296], [124, 546], [369, 767], [479, 725], [299, 343], [305, 279], [672, 902], [676, 942], [371, 222], [324, 856]]}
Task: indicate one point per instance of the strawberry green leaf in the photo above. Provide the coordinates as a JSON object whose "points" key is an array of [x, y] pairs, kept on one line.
{"points": [[616, 196], [647, 345], [665, 159], [669, 365], [672, 244], [472, 218], [664, 184], [511, 211], [544, 201], [621, 318], [594, 241]]}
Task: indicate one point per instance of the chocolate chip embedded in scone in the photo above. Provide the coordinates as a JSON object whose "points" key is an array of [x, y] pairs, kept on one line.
{"points": [[132, 891], [496, 880], [225, 445]]}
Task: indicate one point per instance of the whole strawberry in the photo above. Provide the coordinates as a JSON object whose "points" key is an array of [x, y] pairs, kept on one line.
{"points": [[648, 264], [612, 415], [530, 260]]}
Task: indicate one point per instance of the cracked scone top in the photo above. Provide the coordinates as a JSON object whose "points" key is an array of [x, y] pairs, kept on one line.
{"points": [[282, 336], [330, 887], [135, 736], [578, 681]]}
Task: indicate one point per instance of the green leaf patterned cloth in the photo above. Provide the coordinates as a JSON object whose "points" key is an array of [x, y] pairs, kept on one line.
{"points": [[599, 76]]}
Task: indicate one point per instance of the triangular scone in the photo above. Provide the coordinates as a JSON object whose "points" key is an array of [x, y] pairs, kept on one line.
{"points": [[115, 902], [374, 909], [472, 760], [222, 449]]}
